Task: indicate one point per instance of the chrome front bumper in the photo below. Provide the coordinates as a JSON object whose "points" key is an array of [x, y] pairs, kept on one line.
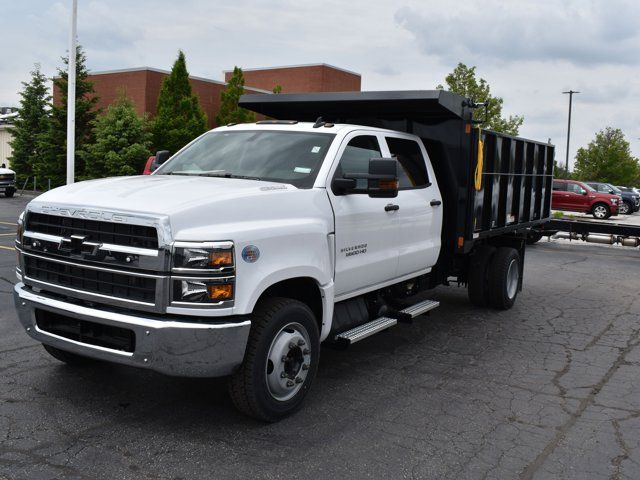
{"points": [[170, 347]]}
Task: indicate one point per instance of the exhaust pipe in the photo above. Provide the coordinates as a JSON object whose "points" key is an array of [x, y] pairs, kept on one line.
{"points": [[567, 235], [599, 238], [629, 241]]}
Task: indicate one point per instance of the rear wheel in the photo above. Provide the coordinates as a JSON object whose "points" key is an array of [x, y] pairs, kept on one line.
{"points": [[478, 275], [67, 357], [280, 361], [504, 278], [601, 211]]}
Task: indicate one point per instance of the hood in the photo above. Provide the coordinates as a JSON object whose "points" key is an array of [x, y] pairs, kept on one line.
{"points": [[4, 171], [155, 194], [191, 204]]}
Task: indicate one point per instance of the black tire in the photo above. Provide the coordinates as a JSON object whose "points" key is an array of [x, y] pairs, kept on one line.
{"points": [[477, 277], [601, 207], [68, 357], [625, 208], [248, 387], [533, 237], [505, 264], [8, 192]]}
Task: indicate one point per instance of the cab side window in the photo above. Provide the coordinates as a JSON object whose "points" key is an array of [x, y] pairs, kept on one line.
{"points": [[560, 186], [412, 171], [356, 156], [575, 188]]}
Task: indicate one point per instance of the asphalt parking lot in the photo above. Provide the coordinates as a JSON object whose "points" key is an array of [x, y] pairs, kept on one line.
{"points": [[549, 389]]}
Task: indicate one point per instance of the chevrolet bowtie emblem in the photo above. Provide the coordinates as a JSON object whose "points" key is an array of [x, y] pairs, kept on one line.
{"points": [[79, 244]]}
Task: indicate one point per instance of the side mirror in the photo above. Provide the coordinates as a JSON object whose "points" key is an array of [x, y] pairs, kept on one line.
{"points": [[161, 157], [383, 178], [381, 181], [583, 192]]}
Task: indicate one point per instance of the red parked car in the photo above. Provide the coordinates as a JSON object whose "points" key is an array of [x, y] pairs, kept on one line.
{"points": [[147, 167], [577, 196]]}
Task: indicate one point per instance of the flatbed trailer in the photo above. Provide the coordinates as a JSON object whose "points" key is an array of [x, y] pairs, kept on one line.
{"points": [[590, 231]]}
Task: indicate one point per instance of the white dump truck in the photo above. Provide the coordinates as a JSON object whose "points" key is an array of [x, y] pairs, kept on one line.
{"points": [[255, 243]]}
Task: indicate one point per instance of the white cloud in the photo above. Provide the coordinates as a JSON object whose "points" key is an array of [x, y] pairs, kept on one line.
{"points": [[529, 51]]}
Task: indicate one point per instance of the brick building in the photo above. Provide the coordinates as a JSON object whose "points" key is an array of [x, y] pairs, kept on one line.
{"points": [[301, 78], [143, 84]]}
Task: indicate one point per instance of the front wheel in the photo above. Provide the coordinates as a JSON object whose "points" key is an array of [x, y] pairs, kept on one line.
{"points": [[601, 211], [280, 361], [8, 192], [625, 208]]}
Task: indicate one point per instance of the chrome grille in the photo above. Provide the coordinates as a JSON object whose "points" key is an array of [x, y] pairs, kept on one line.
{"points": [[122, 234], [106, 283]]}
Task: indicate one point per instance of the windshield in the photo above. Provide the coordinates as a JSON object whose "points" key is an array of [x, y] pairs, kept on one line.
{"points": [[287, 157]]}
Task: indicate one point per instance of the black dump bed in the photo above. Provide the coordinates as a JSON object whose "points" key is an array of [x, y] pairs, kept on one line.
{"points": [[513, 189]]}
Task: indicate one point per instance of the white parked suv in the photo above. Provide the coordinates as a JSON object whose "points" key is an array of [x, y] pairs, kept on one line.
{"points": [[7, 181]]}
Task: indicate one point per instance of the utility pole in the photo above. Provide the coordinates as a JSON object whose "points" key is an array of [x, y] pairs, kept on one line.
{"points": [[566, 163], [71, 96]]}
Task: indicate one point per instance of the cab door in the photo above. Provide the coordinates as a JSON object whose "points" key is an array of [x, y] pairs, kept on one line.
{"points": [[576, 198], [559, 196], [366, 230], [419, 203]]}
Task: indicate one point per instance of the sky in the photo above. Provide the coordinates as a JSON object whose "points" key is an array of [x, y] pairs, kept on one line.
{"points": [[529, 51]]}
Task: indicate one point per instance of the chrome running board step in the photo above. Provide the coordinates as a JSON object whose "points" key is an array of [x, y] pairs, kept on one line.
{"points": [[366, 330], [418, 309], [379, 324]]}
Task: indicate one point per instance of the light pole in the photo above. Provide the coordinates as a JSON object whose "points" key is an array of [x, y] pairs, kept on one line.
{"points": [[71, 96], [566, 163]]}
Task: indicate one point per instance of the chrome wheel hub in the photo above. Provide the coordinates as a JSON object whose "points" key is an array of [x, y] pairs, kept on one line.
{"points": [[513, 278], [600, 211], [288, 361]]}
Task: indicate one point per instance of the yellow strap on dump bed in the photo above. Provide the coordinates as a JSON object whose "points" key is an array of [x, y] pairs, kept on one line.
{"points": [[480, 162]]}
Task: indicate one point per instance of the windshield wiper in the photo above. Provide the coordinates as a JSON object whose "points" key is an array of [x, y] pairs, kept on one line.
{"points": [[228, 175]]}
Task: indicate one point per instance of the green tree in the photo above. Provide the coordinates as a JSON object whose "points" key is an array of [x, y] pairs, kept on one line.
{"points": [[52, 164], [179, 118], [30, 126], [277, 89], [122, 142], [463, 81], [230, 112], [608, 158]]}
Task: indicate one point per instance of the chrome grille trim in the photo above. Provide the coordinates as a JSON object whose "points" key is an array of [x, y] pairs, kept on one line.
{"points": [[105, 247], [91, 267]]}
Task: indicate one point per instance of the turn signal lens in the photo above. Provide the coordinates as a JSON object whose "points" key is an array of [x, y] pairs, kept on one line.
{"points": [[388, 184], [221, 258], [220, 292]]}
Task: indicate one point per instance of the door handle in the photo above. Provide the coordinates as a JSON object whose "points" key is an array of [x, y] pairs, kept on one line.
{"points": [[435, 203], [391, 207]]}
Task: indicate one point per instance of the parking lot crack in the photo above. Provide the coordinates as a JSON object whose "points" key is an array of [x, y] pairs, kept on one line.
{"points": [[529, 471]]}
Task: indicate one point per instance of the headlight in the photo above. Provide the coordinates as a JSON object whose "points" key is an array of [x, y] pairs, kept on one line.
{"points": [[203, 290], [203, 257], [205, 273], [20, 229], [614, 201]]}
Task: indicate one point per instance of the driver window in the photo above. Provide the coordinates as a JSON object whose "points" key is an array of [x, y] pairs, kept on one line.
{"points": [[572, 187], [356, 156]]}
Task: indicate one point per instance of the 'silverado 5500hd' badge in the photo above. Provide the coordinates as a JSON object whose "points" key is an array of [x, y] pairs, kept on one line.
{"points": [[250, 254]]}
